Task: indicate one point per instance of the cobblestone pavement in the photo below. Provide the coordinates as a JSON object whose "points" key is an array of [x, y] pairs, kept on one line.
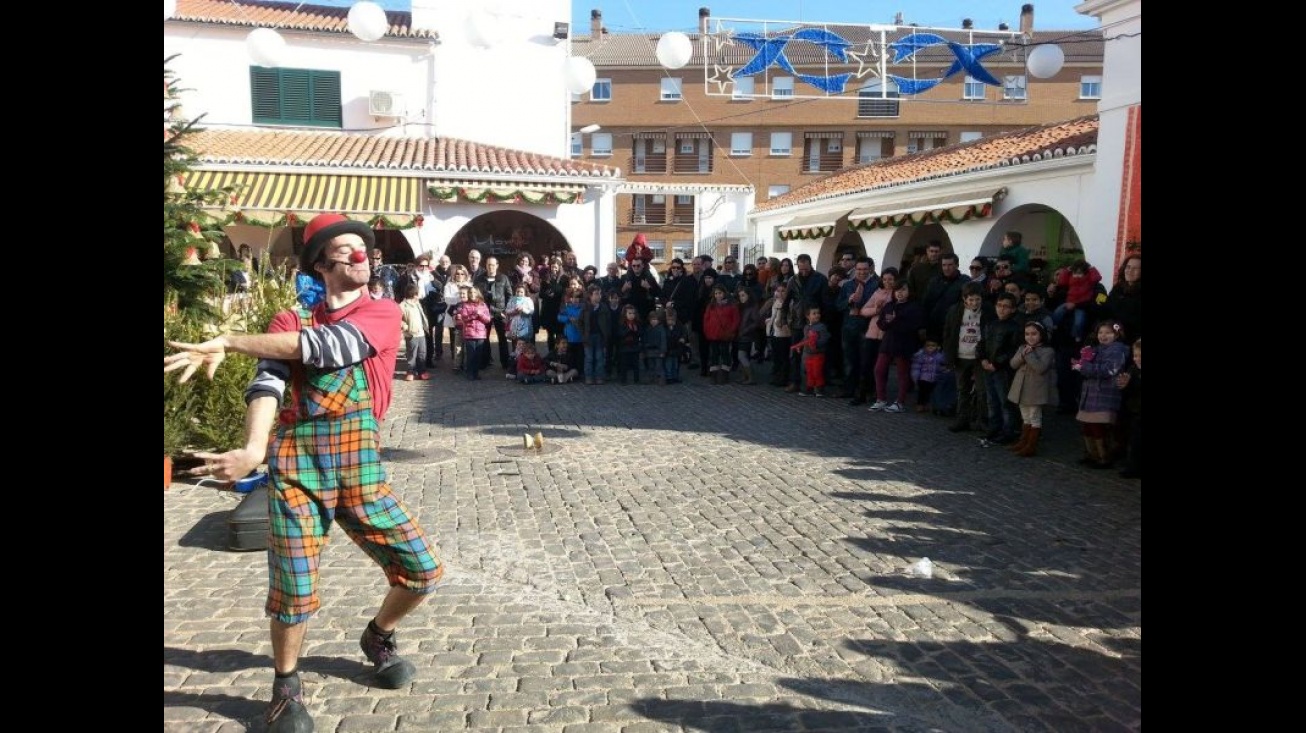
{"points": [[694, 558]]}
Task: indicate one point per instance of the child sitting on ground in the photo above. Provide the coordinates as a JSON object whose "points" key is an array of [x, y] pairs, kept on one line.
{"points": [[560, 369], [530, 365]]}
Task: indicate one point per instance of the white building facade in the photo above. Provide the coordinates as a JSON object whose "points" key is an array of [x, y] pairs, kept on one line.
{"points": [[486, 78]]}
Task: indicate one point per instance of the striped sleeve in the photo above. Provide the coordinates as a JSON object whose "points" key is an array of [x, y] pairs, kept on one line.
{"points": [[270, 378], [333, 347]]}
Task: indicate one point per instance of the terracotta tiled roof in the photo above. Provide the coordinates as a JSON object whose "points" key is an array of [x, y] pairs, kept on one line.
{"points": [[1068, 138], [326, 149], [288, 15], [640, 49]]}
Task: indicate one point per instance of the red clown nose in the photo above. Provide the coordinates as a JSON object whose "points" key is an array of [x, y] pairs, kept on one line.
{"points": [[357, 257]]}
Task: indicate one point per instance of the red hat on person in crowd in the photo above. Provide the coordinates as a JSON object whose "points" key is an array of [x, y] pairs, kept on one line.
{"points": [[322, 229], [639, 250]]}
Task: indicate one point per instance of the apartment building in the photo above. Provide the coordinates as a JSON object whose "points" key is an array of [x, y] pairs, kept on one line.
{"points": [[685, 138]]}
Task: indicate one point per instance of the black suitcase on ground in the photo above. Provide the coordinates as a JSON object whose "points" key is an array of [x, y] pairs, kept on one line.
{"points": [[247, 527]]}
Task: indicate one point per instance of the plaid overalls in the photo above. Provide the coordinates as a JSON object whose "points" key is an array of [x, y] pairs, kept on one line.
{"points": [[325, 466]]}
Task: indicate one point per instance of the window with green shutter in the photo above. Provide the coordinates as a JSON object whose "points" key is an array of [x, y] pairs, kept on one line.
{"points": [[295, 96]]}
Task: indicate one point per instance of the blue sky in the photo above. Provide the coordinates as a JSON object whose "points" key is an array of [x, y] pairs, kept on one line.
{"points": [[625, 16]]}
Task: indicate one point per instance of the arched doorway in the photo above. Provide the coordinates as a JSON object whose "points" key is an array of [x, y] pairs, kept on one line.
{"points": [[851, 243], [504, 234]]}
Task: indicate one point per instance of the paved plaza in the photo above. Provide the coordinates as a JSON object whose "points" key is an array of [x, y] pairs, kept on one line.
{"points": [[693, 558]]}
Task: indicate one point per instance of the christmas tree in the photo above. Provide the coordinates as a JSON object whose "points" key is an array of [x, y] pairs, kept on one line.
{"points": [[187, 282]]}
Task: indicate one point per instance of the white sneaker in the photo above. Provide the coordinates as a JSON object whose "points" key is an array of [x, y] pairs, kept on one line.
{"points": [[893, 407], [878, 405]]}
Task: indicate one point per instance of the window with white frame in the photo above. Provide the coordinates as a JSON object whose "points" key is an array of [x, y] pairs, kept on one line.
{"points": [[741, 143], [601, 91], [687, 146], [968, 136], [782, 143], [927, 141], [682, 249], [1013, 87], [870, 149], [878, 99], [658, 247], [782, 87], [834, 145], [670, 90], [778, 189], [1090, 87], [601, 144], [684, 199], [972, 88], [577, 145], [659, 199], [743, 88]]}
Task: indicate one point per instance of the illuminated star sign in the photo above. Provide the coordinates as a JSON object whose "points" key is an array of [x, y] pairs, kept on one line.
{"points": [[721, 39], [867, 60], [721, 77]]}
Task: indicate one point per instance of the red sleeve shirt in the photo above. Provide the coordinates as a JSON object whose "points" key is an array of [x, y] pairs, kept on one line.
{"points": [[378, 321]]}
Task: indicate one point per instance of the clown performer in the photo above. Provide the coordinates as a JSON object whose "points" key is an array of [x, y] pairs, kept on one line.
{"points": [[333, 367]]}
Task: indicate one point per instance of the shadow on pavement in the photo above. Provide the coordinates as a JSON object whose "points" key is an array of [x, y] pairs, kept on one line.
{"points": [[234, 660]]}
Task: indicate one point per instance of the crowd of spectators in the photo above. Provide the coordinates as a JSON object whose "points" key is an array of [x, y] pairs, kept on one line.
{"points": [[988, 348]]}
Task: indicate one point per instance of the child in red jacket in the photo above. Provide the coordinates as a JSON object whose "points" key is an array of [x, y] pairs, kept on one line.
{"points": [[720, 326], [1078, 280], [530, 365]]}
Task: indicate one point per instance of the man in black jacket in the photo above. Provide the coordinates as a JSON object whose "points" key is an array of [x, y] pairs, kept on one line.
{"points": [[640, 288], [943, 292], [496, 288], [806, 288]]}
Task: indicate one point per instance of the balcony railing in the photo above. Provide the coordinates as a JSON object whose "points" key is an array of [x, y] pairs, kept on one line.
{"points": [[648, 217], [650, 164]]}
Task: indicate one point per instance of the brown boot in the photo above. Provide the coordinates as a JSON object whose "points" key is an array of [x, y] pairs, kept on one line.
{"points": [[1090, 455], [1031, 443], [1020, 444], [1103, 458]]}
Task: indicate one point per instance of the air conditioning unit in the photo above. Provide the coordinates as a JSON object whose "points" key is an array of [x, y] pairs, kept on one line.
{"points": [[385, 104]]}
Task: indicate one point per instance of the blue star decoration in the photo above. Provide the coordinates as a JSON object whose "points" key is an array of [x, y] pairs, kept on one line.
{"points": [[966, 57], [770, 51]]}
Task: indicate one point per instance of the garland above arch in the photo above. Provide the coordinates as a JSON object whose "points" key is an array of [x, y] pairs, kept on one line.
{"points": [[481, 193]]}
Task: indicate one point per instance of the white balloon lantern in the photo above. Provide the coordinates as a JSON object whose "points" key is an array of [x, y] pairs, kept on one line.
{"points": [[580, 74], [1045, 61], [674, 50], [169, 7], [482, 30], [266, 47], [367, 21]]}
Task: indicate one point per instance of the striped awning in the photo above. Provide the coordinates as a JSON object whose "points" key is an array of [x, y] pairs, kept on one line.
{"points": [[928, 135], [822, 135], [649, 135], [692, 135], [810, 226], [509, 192], [261, 197], [954, 209], [875, 133]]}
